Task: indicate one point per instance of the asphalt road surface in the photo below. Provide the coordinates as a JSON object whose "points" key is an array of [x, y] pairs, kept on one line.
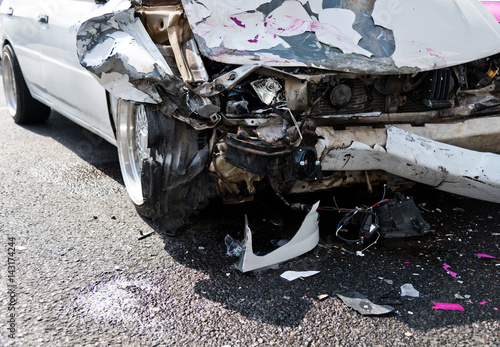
{"points": [[81, 276]]}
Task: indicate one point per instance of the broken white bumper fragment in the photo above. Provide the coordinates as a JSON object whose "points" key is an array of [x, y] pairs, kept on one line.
{"points": [[445, 167], [304, 240]]}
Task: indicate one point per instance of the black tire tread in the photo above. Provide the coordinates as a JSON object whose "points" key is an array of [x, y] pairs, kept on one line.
{"points": [[179, 186], [29, 110]]}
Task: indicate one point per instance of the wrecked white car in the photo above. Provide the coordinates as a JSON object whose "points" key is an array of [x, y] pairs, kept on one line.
{"points": [[206, 98]]}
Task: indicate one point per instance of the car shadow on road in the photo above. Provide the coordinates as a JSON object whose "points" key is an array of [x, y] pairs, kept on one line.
{"points": [[265, 297], [88, 146]]}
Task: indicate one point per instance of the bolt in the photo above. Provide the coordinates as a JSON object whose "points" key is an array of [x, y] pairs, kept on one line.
{"points": [[220, 87]]}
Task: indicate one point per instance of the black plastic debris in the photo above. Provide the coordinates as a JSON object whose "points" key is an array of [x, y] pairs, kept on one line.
{"points": [[233, 247], [360, 303], [400, 218]]}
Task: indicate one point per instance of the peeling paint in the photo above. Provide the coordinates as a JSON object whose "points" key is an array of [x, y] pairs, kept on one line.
{"points": [[371, 36]]}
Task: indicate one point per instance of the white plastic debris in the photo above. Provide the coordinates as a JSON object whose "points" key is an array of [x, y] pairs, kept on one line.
{"points": [[293, 275], [408, 290], [306, 238]]}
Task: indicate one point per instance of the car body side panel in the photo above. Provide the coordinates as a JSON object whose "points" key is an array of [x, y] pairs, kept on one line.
{"points": [[73, 91], [376, 36], [23, 33]]}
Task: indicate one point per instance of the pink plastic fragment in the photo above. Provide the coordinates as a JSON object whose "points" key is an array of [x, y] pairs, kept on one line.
{"points": [[496, 308], [480, 255], [446, 267], [447, 306], [407, 262], [483, 302]]}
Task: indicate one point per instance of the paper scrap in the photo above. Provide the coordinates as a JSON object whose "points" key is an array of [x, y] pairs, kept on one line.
{"points": [[446, 267], [293, 275], [408, 290], [447, 306]]}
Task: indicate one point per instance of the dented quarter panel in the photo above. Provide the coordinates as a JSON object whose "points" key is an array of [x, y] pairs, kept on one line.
{"points": [[377, 36]]}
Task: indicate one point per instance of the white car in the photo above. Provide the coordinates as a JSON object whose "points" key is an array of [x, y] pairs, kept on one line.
{"points": [[211, 98]]}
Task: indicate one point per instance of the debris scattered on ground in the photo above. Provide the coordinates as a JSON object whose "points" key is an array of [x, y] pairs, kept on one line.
{"points": [[322, 297], [458, 209], [447, 306], [408, 290], [293, 275], [483, 303], [459, 297], [360, 303], [388, 281], [142, 237], [480, 255], [306, 238], [446, 267], [233, 247]]}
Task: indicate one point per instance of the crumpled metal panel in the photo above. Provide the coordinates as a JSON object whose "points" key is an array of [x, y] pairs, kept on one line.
{"points": [[117, 50], [369, 36], [420, 159]]}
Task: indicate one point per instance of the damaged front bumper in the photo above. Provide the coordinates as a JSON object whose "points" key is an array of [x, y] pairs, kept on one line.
{"points": [[335, 111]]}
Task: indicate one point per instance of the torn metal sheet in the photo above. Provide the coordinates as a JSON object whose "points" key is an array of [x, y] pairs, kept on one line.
{"points": [[445, 167], [306, 238], [364, 306], [373, 36], [118, 51]]}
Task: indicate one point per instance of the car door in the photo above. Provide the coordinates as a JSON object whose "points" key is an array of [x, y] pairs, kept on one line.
{"points": [[74, 92], [20, 23]]}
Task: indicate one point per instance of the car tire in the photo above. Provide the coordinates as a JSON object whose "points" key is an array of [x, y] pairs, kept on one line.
{"points": [[23, 108], [163, 163]]}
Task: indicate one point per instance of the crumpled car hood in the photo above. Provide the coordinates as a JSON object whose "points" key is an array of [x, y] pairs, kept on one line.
{"points": [[366, 36]]}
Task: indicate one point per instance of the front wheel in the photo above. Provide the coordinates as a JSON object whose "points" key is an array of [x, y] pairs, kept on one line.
{"points": [[163, 163]]}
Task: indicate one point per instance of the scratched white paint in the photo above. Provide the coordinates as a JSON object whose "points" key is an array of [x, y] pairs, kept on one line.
{"points": [[248, 32], [199, 10], [245, 29], [428, 34], [433, 34]]}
